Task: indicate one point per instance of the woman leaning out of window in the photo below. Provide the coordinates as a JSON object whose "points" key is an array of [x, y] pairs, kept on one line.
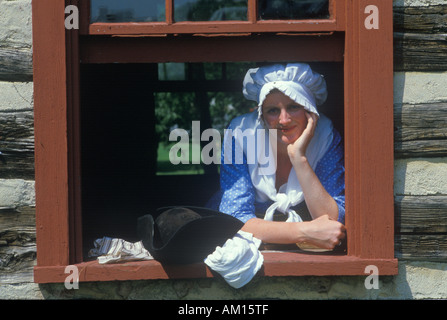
{"points": [[306, 153]]}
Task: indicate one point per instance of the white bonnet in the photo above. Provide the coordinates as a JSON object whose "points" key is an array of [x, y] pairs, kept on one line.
{"points": [[295, 80]]}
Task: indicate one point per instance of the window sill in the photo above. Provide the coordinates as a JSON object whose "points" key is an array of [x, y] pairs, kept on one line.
{"points": [[210, 27], [275, 264]]}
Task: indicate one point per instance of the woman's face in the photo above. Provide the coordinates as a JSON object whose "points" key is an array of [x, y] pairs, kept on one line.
{"points": [[282, 113]]}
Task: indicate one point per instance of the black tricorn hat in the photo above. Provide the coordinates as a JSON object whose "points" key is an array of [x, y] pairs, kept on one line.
{"points": [[181, 235]]}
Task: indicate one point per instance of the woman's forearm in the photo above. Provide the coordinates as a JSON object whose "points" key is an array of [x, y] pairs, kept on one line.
{"points": [[318, 200], [274, 231], [322, 232]]}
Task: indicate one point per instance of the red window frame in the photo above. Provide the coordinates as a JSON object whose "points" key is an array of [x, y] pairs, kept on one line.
{"points": [[253, 25], [369, 152]]}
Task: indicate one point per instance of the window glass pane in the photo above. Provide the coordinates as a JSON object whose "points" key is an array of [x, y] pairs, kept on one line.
{"points": [[127, 11], [171, 71], [210, 10], [293, 9]]}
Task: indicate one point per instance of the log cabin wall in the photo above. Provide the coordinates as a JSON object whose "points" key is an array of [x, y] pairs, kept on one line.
{"points": [[420, 36], [420, 115], [17, 213]]}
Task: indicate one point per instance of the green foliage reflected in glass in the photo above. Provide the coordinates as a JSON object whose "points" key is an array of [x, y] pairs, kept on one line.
{"points": [[213, 109]]}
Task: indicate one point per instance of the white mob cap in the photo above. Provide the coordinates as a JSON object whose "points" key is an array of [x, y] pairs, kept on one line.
{"points": [[295, 80]]}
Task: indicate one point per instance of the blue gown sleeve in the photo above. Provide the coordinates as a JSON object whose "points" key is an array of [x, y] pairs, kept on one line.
{"points": [[331, 172]]}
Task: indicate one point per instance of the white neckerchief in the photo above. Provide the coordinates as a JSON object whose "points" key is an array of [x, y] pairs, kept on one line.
{"points": [[290, 194]]}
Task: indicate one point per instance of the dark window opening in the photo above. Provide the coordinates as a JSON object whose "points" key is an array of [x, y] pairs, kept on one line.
{"points": [[127, 112]]}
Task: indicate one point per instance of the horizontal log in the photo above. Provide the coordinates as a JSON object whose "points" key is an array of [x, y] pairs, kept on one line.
{"points": [[429, 116], [17, 145], [16, 63], [24, 275], [421, 228], [426, 19], [16, 258], [420, 130], [420, 214], [411, 52], [17, 244], [421, 247], [420, 38], [422, 148], [17, 225], [417, 214], [420, 52]]}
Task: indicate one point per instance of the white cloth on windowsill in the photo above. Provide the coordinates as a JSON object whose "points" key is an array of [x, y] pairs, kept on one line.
{"points": [[237, 261], [113, 250]]}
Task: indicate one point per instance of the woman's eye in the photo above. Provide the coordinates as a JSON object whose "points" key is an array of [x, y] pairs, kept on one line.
{"points": [[295, 107], [272, 111]]}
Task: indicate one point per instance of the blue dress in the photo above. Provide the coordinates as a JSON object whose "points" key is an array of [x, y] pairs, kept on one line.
{"points": [[237, 193]]}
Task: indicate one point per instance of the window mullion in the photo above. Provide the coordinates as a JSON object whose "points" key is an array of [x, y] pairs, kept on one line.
{"points": [[252, 11], [169, 11]]}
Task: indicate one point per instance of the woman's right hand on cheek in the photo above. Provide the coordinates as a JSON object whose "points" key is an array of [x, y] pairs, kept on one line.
{"points": [[323, 232], [298, 149]]}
